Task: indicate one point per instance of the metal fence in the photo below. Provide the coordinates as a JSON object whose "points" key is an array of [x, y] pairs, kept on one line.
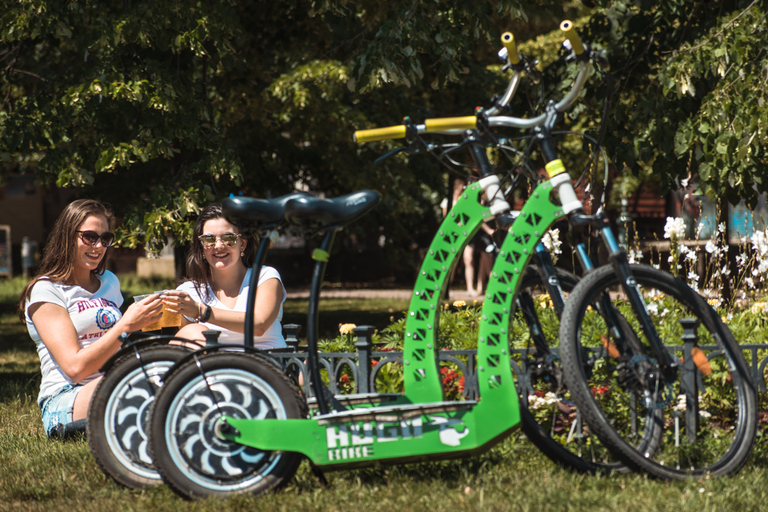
{"points": [[365, 365]]}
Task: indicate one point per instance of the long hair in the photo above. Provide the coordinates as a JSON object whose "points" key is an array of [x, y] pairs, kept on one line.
{"points": [[61, 247], [198, 270]]}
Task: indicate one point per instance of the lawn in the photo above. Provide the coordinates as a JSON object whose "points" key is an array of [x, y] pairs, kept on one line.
{"points": [[38, 474]]}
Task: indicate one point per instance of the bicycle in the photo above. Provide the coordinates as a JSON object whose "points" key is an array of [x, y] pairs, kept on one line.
{"points": [[620, 373], [120, 406], [355, 431]]}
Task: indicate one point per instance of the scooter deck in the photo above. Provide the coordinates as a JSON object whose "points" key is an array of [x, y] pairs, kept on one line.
{"points": [[391, 433]]}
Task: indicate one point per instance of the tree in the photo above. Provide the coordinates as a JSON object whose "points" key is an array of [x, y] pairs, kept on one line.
{"points": [[160, 107], [689, 92]]}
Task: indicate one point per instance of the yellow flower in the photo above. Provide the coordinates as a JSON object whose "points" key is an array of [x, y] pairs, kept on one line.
{"points": [[544, 301], [346, 328], [459, 304], [758, 307]]}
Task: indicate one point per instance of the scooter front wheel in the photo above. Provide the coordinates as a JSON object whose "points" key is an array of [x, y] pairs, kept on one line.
{"points": [[196, 462]]}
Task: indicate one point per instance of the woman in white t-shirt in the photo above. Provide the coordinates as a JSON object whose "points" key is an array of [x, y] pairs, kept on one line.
{"points": [[219, 268], [72, 311]]}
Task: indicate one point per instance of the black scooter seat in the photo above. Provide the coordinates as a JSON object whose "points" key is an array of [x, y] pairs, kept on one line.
{"points": [[252, 215], [324, 214]]}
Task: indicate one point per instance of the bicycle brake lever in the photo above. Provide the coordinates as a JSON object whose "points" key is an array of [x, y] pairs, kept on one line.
{"points": [[531, 70]]}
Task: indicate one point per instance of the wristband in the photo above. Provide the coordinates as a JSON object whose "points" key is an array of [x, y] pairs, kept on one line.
{"points": [[206, 315]]}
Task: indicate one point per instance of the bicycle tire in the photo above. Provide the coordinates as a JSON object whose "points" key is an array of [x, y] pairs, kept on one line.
{"points": [[612, 387], [118, 415], [193, 461], [553, 423]]}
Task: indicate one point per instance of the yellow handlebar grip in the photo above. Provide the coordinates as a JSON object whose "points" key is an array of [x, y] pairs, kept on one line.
{"points": [[508, 40], [376, 134], [450, 123], [570, 32]]}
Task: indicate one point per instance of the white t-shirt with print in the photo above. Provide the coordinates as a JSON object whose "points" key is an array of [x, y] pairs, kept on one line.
{"points": [[92, 314], [272, 337]]}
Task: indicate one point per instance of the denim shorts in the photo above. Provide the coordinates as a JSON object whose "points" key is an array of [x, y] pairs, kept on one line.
{"points": [[57, 409]]}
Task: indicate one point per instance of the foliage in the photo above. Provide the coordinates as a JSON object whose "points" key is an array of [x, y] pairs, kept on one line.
{"points": [[160, 110], [687, 92]]}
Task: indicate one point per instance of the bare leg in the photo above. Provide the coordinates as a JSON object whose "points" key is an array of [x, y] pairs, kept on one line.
{"points": [[83, 400], [469, 269], [484, 271], [192, 332]]}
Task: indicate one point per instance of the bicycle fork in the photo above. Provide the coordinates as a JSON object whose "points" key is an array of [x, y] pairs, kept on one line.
{"points": [[627, 346]]}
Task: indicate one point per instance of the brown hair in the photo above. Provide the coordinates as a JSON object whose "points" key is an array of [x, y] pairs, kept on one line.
{"points": [[198, 270], [61, 246]]}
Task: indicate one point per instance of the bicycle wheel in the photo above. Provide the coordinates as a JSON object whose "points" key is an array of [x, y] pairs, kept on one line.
{"points": [[549, 417], [193, 460], [119, 411], [703, 412]]}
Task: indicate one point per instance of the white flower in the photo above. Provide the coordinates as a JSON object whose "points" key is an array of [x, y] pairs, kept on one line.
{"points": [[721, 227], [552, 241], [664, 313], [741, 259], [674, 228], [749, 282], [760, 242], [693, 276], [653, 308], [711, 248], [635, 256], [537, 402], [690, 256]]}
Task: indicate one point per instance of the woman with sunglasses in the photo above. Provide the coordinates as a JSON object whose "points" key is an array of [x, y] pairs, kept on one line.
{"points": [[72, 311], [215, 297]]}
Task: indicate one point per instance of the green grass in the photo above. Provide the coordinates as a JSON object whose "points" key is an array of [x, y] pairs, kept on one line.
{"points": [[38, 474]]}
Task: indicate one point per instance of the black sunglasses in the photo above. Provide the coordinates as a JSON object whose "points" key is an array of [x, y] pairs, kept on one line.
{"points": [[91, 237]]}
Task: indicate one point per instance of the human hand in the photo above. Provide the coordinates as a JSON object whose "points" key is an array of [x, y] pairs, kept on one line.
{"points": [[143, 312], [180, 302]]}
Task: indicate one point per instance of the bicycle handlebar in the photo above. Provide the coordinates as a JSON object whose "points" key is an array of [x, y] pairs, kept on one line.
{"points": [[568, 31], [508, 40], [456, 125], [435, 125]]}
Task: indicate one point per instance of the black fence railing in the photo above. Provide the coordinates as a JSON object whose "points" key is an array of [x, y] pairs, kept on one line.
{"points": [[364, 366]]}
